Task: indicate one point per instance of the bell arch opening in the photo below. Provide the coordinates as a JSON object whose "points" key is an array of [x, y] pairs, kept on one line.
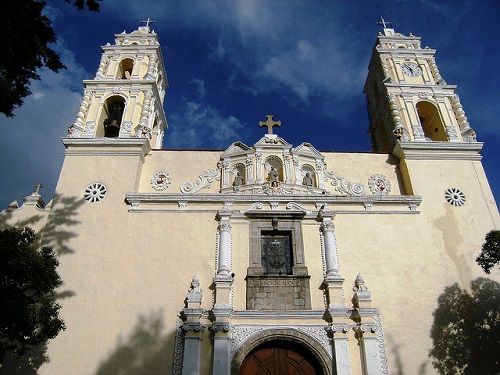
{"points": [[282, 351], [125, 69], [111, 117], [431, 122]]}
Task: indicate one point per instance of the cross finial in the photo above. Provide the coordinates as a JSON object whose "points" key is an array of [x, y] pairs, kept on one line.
{"points": [[384, 23], [37, 188], [148, 21], [269, 123]]}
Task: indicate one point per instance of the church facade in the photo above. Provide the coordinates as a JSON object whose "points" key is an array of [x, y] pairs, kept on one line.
{"points": [[268, 256]]}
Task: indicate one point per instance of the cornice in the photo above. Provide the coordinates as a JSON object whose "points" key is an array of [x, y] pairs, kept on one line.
{"points": [[438, 150], [106, 146]]}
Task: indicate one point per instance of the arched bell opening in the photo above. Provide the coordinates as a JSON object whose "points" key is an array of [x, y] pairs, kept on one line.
{"points": [[309, 177], [112, 115], [239, 175], [274, 169], [431, 122], [125, 69], [281, 350]]}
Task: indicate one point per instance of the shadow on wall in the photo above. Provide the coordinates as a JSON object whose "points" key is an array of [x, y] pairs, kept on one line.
{"points": [[147, 351], [466, 329], [54, 235]]}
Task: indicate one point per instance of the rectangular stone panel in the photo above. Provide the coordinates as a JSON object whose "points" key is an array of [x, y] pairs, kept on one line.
{"points": [[286, 292]]}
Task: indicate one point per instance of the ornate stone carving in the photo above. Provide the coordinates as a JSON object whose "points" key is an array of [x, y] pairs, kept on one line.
{"points": [[401, 134], [255, 206], [195, 293], [451, 132], [143, 132], [394, 110], [182, 205], [95, 192], [224, 226], [274, 205], [359, 284], [178, 350], [379, 184], [469, 136], [203, 181], [454, 197], [462, 120], [161, 180], [381, 344], [435, 72], [125, 129], [292, 206], [89, 130], [319, 334], [239, 334], [343, 186]]}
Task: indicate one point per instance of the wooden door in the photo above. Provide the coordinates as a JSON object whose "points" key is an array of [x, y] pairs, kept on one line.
{"points": [[278, 360]]}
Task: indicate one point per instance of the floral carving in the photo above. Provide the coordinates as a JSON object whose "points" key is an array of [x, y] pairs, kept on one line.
{"points": [[379, 184], [161, 180]]}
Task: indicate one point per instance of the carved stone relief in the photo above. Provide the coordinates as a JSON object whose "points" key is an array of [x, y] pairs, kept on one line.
{"points": [[379, 184], [161, 180], [203, 181]]}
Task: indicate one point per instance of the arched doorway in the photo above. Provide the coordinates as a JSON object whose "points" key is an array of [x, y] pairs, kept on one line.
{"points": [[280, 358]]}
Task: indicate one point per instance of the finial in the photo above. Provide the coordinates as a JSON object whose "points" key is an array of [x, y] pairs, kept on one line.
{"points": [[38, 186], [269, 123], [384, 23], [148, 21]]}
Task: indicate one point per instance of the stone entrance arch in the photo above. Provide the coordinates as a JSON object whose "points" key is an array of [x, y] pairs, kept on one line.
{"points": [[311, 348]]}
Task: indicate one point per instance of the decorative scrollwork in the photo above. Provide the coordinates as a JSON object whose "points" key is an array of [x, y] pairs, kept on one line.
{"points": [[203, 181], [343, 186]]}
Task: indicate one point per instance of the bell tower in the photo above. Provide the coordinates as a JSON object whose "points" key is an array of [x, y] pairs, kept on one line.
{"points": [[125, 98], [408, 100]]}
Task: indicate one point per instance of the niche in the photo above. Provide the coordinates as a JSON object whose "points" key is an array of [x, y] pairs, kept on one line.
{"points": [[309, 177], [113, 110], [239, 175], [431, 122], [274, 169]]}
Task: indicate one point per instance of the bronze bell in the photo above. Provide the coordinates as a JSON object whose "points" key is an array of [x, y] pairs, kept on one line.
{"points": [[112, 123]]}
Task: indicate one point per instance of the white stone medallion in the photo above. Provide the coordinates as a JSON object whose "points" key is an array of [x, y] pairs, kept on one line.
{"points": [[95, 192], [454, 197], [379, 184], [161, 180]]}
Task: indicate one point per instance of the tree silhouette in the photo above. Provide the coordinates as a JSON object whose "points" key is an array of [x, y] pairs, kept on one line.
{"points": [[25, 36], [466, 330], [29, 315], [490, 252]]}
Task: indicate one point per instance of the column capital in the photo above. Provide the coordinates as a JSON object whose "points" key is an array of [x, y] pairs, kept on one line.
{"points": [[326, 215]]}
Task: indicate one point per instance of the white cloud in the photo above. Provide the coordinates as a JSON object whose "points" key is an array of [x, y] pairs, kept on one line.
{"points": [[31, 150], [201, 124]]}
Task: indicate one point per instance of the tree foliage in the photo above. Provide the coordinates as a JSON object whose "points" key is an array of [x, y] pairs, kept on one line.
{"points": [[25, 37], [466, 330], [29, 315], [490, 252]]}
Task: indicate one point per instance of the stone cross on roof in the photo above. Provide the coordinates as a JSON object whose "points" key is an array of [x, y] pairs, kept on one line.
{"points": [[148, 21], [384, 23], [269, 123]]}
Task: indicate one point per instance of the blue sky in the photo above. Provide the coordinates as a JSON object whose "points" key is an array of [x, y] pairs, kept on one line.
{"points": [[229, 63]]}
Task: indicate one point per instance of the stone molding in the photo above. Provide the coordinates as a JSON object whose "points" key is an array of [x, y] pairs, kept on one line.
{"points": [[106, 146], [438, 150]]}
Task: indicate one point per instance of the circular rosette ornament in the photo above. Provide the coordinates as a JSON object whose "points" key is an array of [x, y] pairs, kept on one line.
{"points": [[95, 192], [379, 184], [161, 180], [454, 197]]}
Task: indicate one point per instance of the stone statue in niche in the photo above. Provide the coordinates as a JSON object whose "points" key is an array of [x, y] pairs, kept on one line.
{"points": [[272, 177], [238, 179], [112, 123], [307, 180]]}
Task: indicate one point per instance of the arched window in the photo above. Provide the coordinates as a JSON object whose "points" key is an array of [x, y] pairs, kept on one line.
{"points": [[125, 69], [113, 114], [431, 122]]}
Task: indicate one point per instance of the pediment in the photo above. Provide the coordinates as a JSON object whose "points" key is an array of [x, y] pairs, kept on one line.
{"points": [[272, 142], [237, 148], [307, 149]]}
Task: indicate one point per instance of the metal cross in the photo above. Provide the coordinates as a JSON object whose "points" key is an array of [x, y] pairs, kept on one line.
{"points": [[384, 23], [148, 21], [269, 123], [38, 187]]}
